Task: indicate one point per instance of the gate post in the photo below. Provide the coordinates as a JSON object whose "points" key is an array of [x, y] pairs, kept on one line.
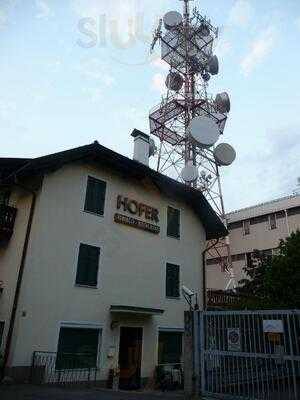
{"points": [[188, 362], [196, 351]]}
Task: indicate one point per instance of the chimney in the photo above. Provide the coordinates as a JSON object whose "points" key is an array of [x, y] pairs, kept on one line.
{"points": [[141, 147]]}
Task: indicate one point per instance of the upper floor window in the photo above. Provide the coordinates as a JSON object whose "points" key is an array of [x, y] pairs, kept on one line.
{"points": [[172, 281], [272, 221], [173, 222], [246, 227], [88, 265], [95, 196]]}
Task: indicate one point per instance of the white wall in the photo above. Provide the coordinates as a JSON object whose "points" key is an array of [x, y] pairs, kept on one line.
{"points": [[132, 265]]}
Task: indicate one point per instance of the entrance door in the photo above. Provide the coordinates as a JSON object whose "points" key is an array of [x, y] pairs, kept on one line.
{"points": [[130, 357]]}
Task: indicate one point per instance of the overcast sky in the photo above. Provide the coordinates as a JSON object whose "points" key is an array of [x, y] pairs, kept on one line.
{"points": [[62, 88]]}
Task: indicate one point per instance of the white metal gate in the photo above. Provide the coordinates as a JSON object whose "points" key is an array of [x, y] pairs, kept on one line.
{"points": [[248, 354]]}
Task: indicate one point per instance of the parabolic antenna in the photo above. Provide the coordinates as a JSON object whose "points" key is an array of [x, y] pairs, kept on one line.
{"points": [[204, 131], [189, 172], [174, 81], [172, 20], [224, 154], [213, 65], [222, 102]]}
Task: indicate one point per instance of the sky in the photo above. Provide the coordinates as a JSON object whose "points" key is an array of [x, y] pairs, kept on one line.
{"points": [[75, 71]]}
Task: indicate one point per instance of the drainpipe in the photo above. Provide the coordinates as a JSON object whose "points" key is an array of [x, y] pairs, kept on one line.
{"points": [[20, 277], [204, 273], [287, 222]]}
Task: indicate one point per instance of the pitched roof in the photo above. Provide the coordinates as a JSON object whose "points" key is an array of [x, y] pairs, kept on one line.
{"points": [[8, 165], [127, 167]]}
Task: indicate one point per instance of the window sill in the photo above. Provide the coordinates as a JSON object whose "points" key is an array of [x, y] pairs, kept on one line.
{"points": [[173, 237], [86, 286], [173, 298], [93, 213]]}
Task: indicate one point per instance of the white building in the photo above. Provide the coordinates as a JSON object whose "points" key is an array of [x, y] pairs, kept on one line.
{"points": [[95, 259], [258, 227]]}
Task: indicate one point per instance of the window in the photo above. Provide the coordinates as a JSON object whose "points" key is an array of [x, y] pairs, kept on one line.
{"points": [[88, 265], [272, 221], [246, 227], [172, 281], [4, 197], [95, 196], [1, 331], [169, 347], [249, 260], [173, 222], [77, 348]]}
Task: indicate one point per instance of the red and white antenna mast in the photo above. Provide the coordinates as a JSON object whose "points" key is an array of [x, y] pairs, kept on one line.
{"points": [[189, 122]]}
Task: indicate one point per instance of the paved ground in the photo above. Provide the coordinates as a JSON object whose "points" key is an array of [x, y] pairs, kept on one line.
{"points": [[27, 392]]}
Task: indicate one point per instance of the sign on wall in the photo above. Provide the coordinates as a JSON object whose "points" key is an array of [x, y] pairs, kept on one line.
{"points": [[150, 214], [234, 339]]}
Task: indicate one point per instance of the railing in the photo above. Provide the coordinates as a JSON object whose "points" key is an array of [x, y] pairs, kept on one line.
{"points": [[7, 221], [169, 376], [221, 298], [63, 368]]}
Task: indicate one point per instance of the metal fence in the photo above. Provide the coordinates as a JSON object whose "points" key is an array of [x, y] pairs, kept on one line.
{"points": [[63, 368], [249, 354]]}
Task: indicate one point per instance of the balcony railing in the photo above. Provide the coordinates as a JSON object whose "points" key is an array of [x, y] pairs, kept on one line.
{"points": [[7, 221]]}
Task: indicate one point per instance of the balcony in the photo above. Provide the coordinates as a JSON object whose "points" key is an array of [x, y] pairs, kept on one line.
{"points": [[7, 221]]}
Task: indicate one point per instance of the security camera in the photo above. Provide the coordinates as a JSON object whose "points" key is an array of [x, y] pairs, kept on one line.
{"points": [[187, 291]]}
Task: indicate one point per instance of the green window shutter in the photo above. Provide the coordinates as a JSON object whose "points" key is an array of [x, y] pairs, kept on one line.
{"points": [[77, 348], [95, 196], [172, 280], [173, 222], [88, 265], [169, 347]]}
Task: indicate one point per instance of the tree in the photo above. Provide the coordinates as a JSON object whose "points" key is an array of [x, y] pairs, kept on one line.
{"points": [[273, 281]]}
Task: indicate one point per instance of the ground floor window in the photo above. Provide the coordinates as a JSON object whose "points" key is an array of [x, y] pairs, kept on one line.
{"points": [[77, 348], [169, 347]]}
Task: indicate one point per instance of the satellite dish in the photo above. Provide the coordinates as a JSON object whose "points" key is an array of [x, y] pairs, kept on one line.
{"points": [[205, 77], [174, 81], [152, 148], [213, 65], [224, 154], [189, 172], [172, 20], [222, 102], [204, 131]]}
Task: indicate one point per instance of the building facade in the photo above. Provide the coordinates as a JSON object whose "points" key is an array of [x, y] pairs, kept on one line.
{"points": [[103, 244], [259, 227]]}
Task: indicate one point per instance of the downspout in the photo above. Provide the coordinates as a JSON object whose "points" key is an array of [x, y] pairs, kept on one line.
{"points": [[287, 222], [204, 273], [20, 277]]}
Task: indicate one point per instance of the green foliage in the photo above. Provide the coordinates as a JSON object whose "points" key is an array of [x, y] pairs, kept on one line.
{"points": [[273, 281]]}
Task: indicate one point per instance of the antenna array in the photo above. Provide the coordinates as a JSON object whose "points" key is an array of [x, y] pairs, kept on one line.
{"points": [[189, 121]]}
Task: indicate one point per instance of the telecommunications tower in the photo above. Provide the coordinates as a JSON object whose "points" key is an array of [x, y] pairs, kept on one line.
{"points": [[189, 121]]}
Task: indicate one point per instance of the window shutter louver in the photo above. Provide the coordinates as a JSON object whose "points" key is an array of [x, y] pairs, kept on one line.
{"points": [[173, 222], [95, 196], [172, 280], [88, 264]]}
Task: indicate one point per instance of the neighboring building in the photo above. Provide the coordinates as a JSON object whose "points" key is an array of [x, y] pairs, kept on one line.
{"points": [[111, 243], [259, 227]]}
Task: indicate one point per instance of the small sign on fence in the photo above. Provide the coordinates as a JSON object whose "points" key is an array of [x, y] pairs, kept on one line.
{"points": [[234, 339], [273, 326]]}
